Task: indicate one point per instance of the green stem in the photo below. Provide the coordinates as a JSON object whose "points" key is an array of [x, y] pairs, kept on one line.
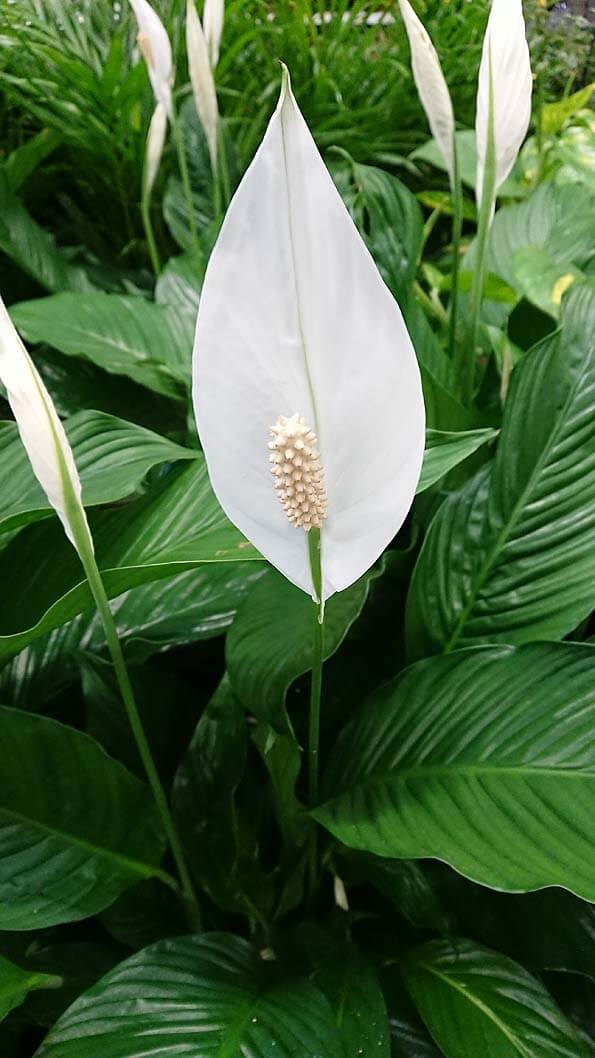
{"points": [[183, 164], [488, 200], [99, 594], [145, 207], [457, 227], [315, 692]]}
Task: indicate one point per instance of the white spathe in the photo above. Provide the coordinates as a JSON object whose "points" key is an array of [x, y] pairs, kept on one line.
{"points": [[212, 19], [41, 431], [294, 318], [201, 78], [154, 146], [431, 86], [155, 46], [506, 65]]}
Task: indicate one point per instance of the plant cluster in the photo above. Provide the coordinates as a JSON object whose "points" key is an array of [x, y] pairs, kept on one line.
{"points": [[297, 530]]}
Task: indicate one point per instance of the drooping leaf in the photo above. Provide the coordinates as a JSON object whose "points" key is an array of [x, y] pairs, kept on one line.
{"points": [[351, 986], [210, 995], [173, 528], [75, 827], [516, 546], [16, 983], [446, 449], [270, 642], [478, 1002], [112, 457], [481, 758], [123, 335]]}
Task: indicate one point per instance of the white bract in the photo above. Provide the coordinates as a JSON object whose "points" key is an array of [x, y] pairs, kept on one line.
{"points": [[154, 146], [212, 18], [154, 44], [299, 345], [431, 86], [201, 78], [503, 91], [42, 433]]}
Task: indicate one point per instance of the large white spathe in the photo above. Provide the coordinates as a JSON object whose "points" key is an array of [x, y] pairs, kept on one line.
{"points": [[431, 86], [155, 46], [504, 87], [42, 433], [295, 318], [212, 19], [201, 78]]}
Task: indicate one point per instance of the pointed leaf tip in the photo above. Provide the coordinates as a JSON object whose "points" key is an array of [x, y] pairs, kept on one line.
{"points": [[295, 319]]}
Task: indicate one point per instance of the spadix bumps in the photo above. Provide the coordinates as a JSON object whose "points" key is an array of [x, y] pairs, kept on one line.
{"points": [[297, 472]]}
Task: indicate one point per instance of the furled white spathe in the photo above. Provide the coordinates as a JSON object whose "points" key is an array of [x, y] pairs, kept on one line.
{"points": [[42, 433], [154, 44], [294, 318], [504, 85], [201, 78], [154, 147], [431, 86], [212, 19]]}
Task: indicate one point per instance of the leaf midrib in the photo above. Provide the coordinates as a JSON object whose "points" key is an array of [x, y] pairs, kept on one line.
{"points": [[455, 771], [508, 526], [144, 870]]}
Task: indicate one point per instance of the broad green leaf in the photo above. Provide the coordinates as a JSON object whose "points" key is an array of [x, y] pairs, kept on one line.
{"points": [[483, 759], [409, 1037], [445, 450], [404, 883], [209, 995], [270, 642], [478, 1002], [392, 223], [467, 157], [555, 115], [516, 546], [172, 529], [352, 989], [33, 249], [75, 827], [178, 287], [16, 983], [112, 457], [123, 335], [543, 281], [183, 608], [175, 205], [443, 202]]}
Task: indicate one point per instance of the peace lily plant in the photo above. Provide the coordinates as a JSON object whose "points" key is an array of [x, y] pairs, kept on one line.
{"points": [[502, 119], [52, 460], [307, 391]]}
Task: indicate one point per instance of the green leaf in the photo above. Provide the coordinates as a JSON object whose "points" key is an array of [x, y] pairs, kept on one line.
{"points": [[33, 249], [443, 202], [404, 883], [210, 995], [516, 546], [112, 457], [392, 224], [123, 335], [555, 115], [172, 529], [467, 157], [481, 758], [24, 159], [270, 642], [76, 828], [445, 450], [179, 287], [478, 1002], [15, 984], [541, 280], [351, 987]]}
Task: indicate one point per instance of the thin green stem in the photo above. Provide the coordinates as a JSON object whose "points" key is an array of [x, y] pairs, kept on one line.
{"points": [[315, 693], [99, 594], [145, 207], [185, 176], [488, 199], [457, 227]]}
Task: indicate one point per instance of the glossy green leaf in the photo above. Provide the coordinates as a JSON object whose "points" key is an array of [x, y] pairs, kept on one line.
{"points": [[15, 984], [478, 1002], [392, 224], [541, 280], [270, 642], [209, 995], [445, 450], [76, 828], [482, 758], [172, 529], [516, 546], [123, 335], [24, 160], [555, 115], [33, 249], [112, 457], [178, 287], [430, 153], [351, 987]]}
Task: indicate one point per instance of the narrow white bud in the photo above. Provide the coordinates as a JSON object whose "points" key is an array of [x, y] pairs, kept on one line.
{"points": [[298, 478]]}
